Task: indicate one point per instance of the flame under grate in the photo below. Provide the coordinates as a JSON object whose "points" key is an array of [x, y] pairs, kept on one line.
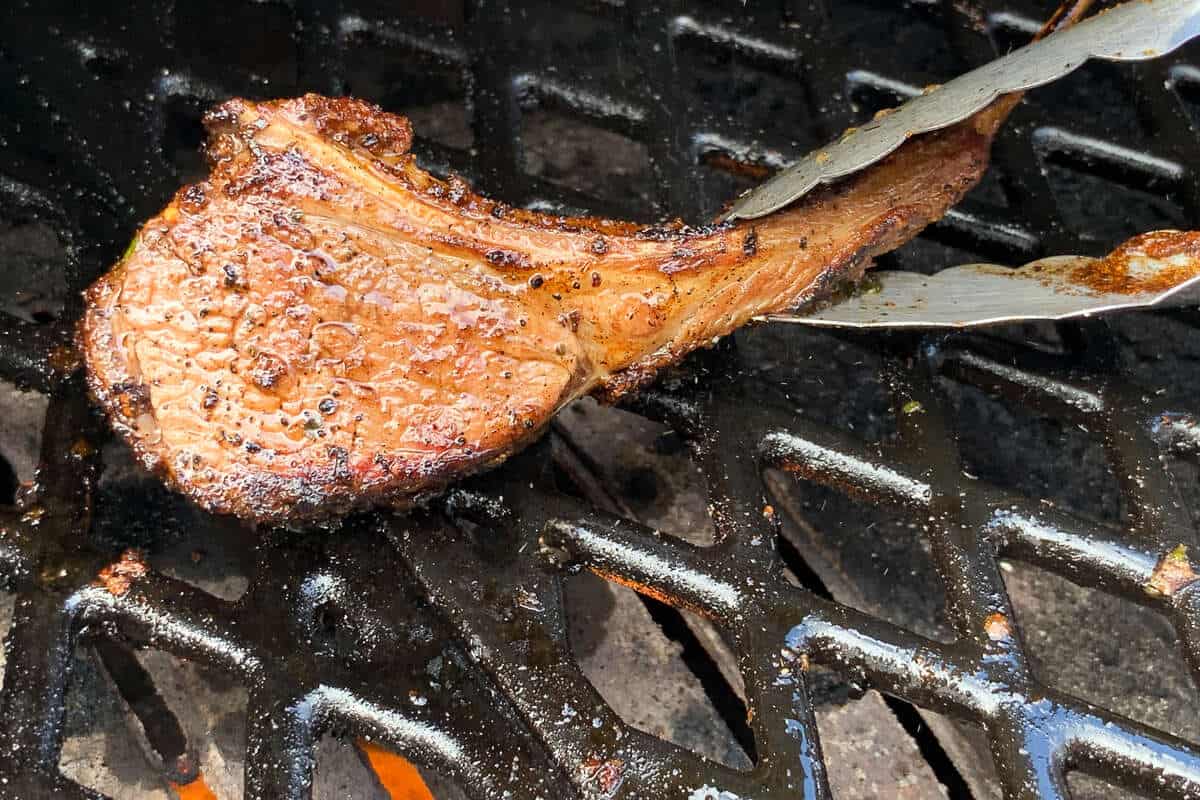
{"points": [[337, 632]]}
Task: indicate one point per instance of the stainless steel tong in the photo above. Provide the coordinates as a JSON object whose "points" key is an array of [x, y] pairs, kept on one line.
{"points": [[980, 294], [1135, 31]]}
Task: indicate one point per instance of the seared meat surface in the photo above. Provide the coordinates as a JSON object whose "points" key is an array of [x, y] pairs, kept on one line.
{"points": [[321, 325]]}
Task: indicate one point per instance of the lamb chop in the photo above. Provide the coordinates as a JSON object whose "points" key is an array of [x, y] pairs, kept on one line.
{"points": [[321, 325]]}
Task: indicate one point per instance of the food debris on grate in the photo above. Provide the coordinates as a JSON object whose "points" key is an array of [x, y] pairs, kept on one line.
{"points": [[894, 566]]}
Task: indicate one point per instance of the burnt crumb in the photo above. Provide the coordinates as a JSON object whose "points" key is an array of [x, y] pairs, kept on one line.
{"points": [[267, 371], [498, 211], [506, 258], [286, 229], [132, 397], [341, 462], [750, 243], [194, 198], [369, 140], [253, 447], [234, 279], [677, 231], [599, 246], [119, 577], [803, 242], [210, 400], [327, 406], [570, 320], [595, 279], [536, 281]]}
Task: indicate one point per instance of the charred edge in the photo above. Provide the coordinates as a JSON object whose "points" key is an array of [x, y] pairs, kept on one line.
{"points": [[323, 492], [130, 399], [384, 138], [750, 243], [118, 577], [636, 376], [507, 258]]}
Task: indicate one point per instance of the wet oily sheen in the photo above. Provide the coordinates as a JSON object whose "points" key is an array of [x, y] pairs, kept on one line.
{"points": [[320, 325]]}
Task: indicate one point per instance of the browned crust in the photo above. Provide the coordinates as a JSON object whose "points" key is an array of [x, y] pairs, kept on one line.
{"points": [[319, 490], [385, 138], [314, 493]]}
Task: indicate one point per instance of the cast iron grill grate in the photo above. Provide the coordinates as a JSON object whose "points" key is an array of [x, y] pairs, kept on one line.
{"points": [[336, 631]]}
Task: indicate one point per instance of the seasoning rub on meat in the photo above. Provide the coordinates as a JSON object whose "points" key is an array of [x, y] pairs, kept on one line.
{"points": [[321, 325]]}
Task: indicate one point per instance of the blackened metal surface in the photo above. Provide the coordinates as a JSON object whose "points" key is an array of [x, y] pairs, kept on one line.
{"points": [[638, 111]]}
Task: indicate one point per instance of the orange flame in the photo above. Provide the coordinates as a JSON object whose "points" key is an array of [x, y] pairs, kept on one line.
{"points": [[400, 779], [197, 789]]}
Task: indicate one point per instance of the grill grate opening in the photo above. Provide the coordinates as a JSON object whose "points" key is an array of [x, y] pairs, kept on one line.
{"points": [[22, 414], [1035, 454], [1148, 343], [211, 710], [741, 88], [952, 781], [713, 666], [1086, 200], [340, 771], [641, 464], [428, 84], [254, 49], [33, 286], [1078, 638], [183, 137], [867, 759], [89, 757], [1184, 83], [210, 554], [585, 158], [649, 668]]}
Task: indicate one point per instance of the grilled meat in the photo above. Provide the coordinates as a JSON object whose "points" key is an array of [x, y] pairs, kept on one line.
{"points": [[321, 325]]}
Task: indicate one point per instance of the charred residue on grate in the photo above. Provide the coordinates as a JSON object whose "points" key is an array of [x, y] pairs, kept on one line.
{"points": [[454, 636]]}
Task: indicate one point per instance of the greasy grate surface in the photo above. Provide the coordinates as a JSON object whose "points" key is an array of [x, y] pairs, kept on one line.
{"points": [[338, 630]]}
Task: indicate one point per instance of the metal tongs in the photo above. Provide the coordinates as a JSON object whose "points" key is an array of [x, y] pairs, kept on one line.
{"points": [[1138, 30]]}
